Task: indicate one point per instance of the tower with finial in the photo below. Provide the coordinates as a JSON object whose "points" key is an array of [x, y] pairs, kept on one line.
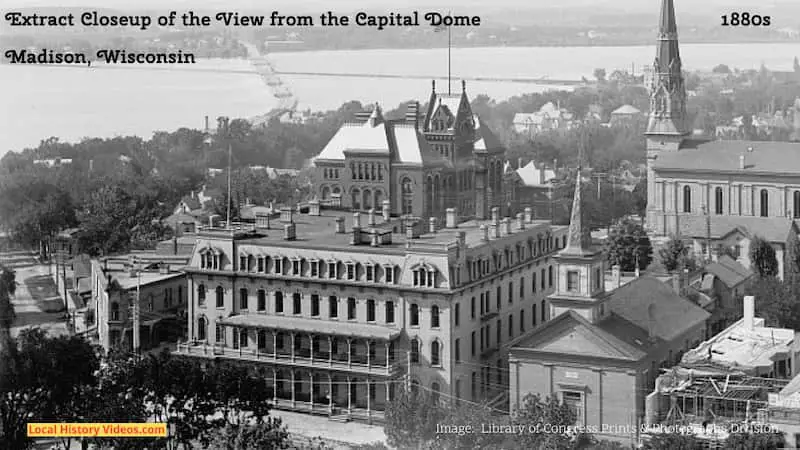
{"points": [[667, 125]]}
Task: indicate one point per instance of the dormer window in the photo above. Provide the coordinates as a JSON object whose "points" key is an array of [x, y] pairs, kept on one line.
{"points": [[425, 277], [243, 263], [314, 267], [370, 272], [389, 274], [279, 266], [295, 267], [351, 271], [210, 259], [261, 264], [332, 269]]}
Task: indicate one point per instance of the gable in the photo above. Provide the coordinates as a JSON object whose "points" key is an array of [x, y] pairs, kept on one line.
{"points": [[577, 337]]}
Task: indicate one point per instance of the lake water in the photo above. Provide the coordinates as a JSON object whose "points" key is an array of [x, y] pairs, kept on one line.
{"points": [[39, 102]]}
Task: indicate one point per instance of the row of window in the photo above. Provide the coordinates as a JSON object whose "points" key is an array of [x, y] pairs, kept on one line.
{"points": [[367, 171], [719, 207], [335, 270], [297, 304], [329, 173], [486, 331], [480, 267], [436, 352], [150, 305]]}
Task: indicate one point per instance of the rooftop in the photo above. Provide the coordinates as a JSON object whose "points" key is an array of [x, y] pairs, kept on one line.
{"points": [[729, 271], [319, 231], [773, 229], [120, 271], [723, 156]]}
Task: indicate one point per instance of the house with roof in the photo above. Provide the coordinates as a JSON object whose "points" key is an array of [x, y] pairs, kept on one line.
{"points": [[187, 216], [734, 234], [724, 281], [418, 165], [549, 117], [535, 186], [625, 114], [601, 350]]}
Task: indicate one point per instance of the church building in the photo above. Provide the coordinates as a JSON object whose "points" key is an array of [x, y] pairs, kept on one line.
{"points": [[711, 191], [420, 164]]}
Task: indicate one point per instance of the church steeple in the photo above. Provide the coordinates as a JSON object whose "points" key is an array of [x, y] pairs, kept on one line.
{"points": [[579, 241], [667, 90]]}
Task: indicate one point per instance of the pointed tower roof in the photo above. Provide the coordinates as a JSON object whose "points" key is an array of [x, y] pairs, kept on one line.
{"points": [[579, 240], [668, 56], [376, 118]]}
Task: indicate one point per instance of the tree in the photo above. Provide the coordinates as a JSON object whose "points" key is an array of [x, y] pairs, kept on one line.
{"points": [[755, 441], [673, 441], [762, 257], [674, 255], [721, 68], [540, 417], [471, 419], [8, 286], [776, 301], [600, 75], [411, 419], [629, 246]]}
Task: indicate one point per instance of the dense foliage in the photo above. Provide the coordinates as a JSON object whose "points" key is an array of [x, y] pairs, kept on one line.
{"points": [[629, 246]]}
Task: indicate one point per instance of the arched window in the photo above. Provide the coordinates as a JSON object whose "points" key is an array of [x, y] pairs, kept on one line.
{"points": [[201, 294], [379, 200], [356, 199], [414, 315], [408, 196], [718, 200], [367, 196], [435, 316], [796, 198], [415, 350], [435, 349], [407, 187], [764, 203], [326, 193], [201, 329], [687, 199], [220, 297]]}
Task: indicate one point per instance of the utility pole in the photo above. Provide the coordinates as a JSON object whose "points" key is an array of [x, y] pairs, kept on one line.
{"points": [[708, 233], [136, 318]]}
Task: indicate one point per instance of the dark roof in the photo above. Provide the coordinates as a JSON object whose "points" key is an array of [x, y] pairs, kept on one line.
{"points": [[191, 202], [651, 305], [718, 156], [773, 229], [729, 271]]}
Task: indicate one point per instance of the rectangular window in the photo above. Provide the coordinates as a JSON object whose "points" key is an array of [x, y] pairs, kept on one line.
{"points": [[510, 293], [220, 334], [499, 298], [457, 317], [574, 401], [522, 288], [351, 308], [351, 272], [482, 301], [260, 264], [295, 267], [279, 302], [597, 279], [389, 312], [572, 281], [472, 308], [458, 350], [544, 316], [331, 270], [533, 283], [522, 321], [279, 266], [242, 263], [370, 310], [510, 325], [314, 268], [242, 298], [533, 315], [297, 303], [544, 280], [389, 271], [333, 306], [473, 343], [370, 273], [315, 305], [499, 331], [262, 300]]}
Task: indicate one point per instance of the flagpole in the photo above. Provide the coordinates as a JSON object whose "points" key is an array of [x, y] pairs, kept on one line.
{"points": [[448, 56]]}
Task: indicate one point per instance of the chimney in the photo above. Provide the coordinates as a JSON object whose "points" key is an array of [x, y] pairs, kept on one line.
{"points": [[387, 214], [163, 268], [616, 276], [192, 194], [741, 162], [506, 226], [528, 215], [748, 318], [313, 208], [340, 225], [206, 129], [289, 231], [432, 225], [520, 221], [495, 215], [356, 220], [371, 218], [519, 163], [451, 218], [484, 232], [375, 242], [495, 230]]}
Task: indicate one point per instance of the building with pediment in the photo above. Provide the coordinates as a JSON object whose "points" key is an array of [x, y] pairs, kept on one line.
{"points": [[722, 191], [422, 164], [601, 350]]}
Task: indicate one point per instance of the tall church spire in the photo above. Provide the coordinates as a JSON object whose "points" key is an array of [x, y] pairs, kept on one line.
{"points": [[579, 241], [667, 90]]}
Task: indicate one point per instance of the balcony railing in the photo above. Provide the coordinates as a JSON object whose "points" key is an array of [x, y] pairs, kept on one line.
{"points": [[357, 364]]}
